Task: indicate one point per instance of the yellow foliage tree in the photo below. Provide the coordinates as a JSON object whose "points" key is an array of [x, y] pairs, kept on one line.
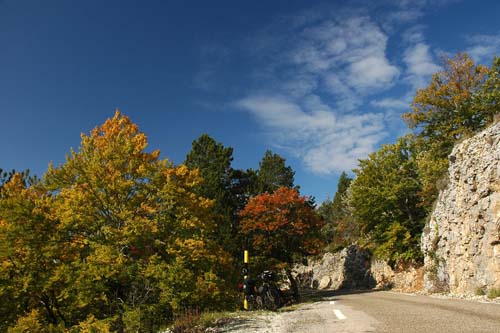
{"points": [[132, 241], [444, 112], [28, 252]]}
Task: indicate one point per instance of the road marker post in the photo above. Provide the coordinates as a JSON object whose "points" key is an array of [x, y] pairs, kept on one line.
{"points": [[245, 277]]}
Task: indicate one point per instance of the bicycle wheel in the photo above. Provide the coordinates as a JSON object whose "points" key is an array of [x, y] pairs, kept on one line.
{"points": [[278, 298], [258, 303], [269, 301]]}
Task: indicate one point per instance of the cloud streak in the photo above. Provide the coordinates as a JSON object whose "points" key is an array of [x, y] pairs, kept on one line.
{"points": [[348, 57], [420, 65], [326, 142], [324, 74], [320, 75], [483, 47]]}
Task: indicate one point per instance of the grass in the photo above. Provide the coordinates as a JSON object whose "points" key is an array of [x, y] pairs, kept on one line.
{"points": [[187, 321], [196, 322], [210, 319], [479, 292], [293, 307], [494, 293]]}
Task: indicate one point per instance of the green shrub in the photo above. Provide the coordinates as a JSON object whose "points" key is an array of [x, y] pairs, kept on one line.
{"points": [[494, 293]]}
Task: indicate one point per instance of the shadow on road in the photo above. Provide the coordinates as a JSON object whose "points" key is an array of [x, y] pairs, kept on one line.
{"points": [[314, 295]]}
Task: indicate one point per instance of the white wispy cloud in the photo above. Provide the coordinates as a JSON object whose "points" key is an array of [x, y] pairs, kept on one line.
{"points": [[414, 35], [324, 72], [420, 64], [319, 79], [409, 11], [351, 52], [326, 141], [391, 103], [483, 47]]}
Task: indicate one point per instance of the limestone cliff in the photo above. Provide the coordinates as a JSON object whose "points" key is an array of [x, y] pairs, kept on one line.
{"points": [[353, 268], [461, 242]]}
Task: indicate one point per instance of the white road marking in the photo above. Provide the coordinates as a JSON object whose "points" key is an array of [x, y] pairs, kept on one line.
{"points": [[339, 314], [332, 302]]}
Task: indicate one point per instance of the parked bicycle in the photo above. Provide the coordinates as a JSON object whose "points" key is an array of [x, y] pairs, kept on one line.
{"points": [[267, 296], [272, 297]]}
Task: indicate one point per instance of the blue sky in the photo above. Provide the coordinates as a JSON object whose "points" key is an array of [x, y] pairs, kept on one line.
{"points": [[322, 83]]}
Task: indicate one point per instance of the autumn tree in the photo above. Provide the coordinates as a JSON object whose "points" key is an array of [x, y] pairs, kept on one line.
{"points": [[26, 177], [5, 176], [282, 227], [126, 240], [28, 254], [273, 173], [385, 203], [339, 230], [444, 112], [487, 101]]}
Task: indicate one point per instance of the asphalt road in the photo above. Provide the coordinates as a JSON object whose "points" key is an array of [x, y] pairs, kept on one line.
{"points": [[380, 311], [396, 312]]}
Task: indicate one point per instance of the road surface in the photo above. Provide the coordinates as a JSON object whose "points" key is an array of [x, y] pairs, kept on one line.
{"points": [[379, 311]]}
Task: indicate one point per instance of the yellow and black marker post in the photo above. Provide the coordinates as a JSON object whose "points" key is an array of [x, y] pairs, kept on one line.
{"points": [[245, 276]]}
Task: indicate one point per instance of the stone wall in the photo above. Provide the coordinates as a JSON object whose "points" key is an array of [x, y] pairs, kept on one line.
{"points": [[461, 242], [352, 268]]}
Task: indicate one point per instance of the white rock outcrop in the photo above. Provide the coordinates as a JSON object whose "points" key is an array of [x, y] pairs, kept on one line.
{"points": [[349, 268], [353, 268], [461, 242]]}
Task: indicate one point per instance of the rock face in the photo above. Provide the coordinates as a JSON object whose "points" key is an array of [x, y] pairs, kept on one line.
{"points": [[461, 242], [353, 268], [407, 279], [349, 268]]}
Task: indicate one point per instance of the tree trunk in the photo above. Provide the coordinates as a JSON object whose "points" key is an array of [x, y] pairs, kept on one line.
{"points": [[45, 300], [293, 284]]}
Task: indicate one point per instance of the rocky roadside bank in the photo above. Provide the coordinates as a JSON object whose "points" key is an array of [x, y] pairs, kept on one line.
{"points": [[353, 268], [461, 242]]}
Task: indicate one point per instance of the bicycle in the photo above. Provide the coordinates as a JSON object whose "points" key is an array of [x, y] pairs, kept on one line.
{"points": [[272, 297], [268, 296], [251, 294]]}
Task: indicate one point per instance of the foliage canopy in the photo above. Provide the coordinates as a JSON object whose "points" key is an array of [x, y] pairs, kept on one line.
{"points": [[281, 225], [340, 230], [114, 237], [385, 203], [273, 173]]}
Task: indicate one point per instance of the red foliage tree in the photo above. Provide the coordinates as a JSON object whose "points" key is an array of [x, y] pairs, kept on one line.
{"points": [[282, 226]]}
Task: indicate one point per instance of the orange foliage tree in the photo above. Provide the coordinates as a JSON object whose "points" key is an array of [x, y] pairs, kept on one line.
{"points": [[282, 227], [445, 109]]}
